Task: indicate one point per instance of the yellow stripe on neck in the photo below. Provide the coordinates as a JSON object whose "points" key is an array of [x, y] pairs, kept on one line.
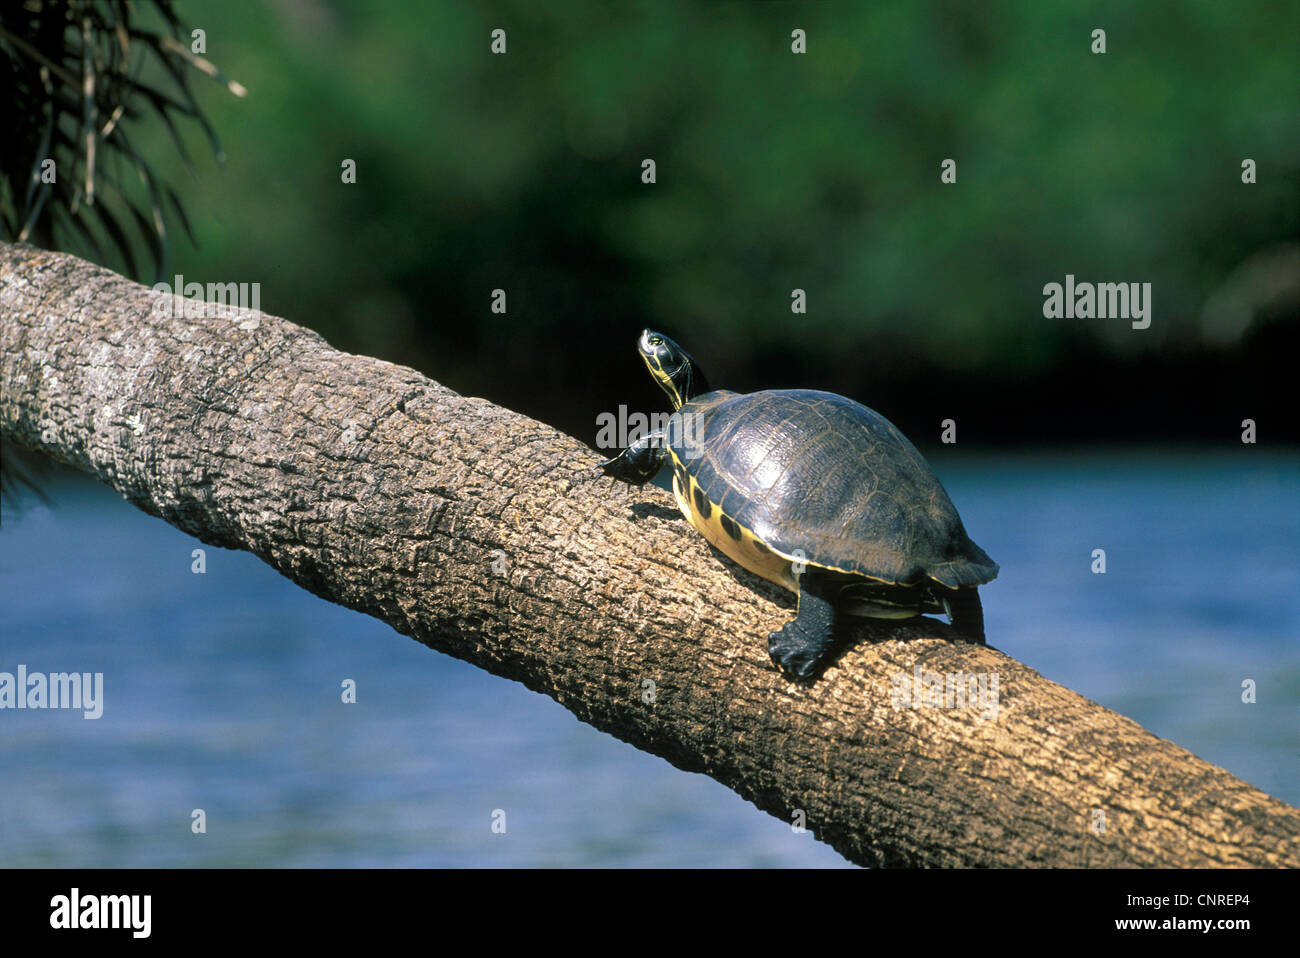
{"points": [[665, 382]]}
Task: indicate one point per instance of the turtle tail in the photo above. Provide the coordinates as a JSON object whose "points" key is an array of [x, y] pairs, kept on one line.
{"points": [[966, 613]]}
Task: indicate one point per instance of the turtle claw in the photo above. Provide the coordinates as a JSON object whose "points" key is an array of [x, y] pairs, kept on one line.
{"points": [[802, 648], [797, 662], [638, 463]]}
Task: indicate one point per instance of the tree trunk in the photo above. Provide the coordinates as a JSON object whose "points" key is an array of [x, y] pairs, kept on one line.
{"points": [[491, 537]]}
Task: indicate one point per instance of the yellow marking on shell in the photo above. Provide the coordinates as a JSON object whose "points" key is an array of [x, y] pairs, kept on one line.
{"points": [[770, 565], [766, 562], [789, 559]]}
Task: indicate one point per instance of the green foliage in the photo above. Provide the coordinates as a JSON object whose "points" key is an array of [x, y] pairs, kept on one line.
{"points": [[80, 78], [775, 171]]}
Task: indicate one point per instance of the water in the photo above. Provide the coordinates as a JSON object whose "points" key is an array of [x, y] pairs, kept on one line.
{"points": [[223, 689]]}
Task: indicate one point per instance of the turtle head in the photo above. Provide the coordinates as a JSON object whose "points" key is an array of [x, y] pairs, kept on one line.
{"points": [[672, 368]]}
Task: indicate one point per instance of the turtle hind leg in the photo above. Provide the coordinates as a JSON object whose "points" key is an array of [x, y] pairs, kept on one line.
{"points": [[966, 613], [802, 648]]}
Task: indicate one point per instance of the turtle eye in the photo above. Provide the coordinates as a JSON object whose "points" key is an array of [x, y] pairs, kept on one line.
{"points": [[656, 341]]}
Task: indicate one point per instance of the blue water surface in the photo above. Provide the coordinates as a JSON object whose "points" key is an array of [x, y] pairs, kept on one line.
{"points": [[223, 689]]}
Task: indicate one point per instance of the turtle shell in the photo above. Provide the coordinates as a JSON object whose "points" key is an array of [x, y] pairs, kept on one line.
{"points": [[820, 477]]}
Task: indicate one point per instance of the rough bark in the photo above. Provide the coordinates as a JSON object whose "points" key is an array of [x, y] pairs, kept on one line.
{"points": [[489, 536]]}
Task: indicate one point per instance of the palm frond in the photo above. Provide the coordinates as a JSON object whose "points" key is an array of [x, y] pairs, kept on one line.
{"points": [[79, 79]]}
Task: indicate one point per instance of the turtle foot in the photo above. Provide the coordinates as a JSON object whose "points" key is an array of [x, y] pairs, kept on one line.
{"points": [[802, 648]]}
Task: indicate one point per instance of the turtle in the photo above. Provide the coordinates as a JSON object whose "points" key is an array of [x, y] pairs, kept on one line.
{"points": [[816, 493]]}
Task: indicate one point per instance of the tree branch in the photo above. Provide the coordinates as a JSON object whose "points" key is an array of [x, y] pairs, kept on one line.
{"points": [[488, 536]]}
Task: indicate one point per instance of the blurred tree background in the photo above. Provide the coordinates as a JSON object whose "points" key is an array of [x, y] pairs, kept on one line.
{"points": [[775, 171]]}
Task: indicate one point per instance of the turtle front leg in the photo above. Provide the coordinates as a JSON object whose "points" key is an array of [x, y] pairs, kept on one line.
{"points": [[638, 463], [802, 648]]}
